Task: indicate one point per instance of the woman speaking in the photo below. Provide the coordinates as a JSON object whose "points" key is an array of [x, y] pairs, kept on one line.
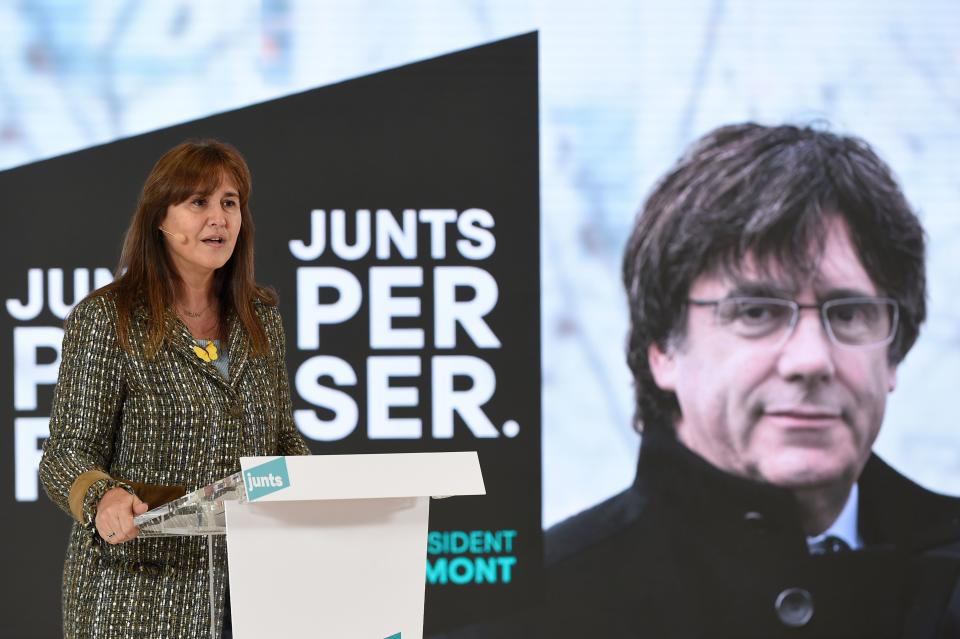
{"points": [[168, 376]]}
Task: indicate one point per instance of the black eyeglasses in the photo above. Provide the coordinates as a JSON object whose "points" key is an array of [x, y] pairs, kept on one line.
{"points": [[853, 322]]}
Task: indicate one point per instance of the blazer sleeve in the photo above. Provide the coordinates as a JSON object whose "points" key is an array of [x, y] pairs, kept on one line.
{"points": [[86, 412], [289, 441]]}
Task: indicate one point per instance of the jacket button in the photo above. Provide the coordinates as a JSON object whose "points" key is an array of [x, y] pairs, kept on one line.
{"points": [[794, 607], [236, 411], [756, 521]]}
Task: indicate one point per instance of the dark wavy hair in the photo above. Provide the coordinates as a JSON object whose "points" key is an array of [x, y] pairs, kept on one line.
{"points": [[763, 191], [146, 275]]}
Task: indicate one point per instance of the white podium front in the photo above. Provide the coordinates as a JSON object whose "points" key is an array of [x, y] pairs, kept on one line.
{"points": [[330, 546]]}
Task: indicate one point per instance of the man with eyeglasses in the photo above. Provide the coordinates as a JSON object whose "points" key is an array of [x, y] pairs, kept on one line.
{"points": [[775, 279]]}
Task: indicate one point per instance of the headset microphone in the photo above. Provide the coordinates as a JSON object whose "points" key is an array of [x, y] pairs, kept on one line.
{"points": [[180, 237]]}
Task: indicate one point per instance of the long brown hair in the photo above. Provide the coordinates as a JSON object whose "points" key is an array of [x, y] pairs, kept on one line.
{"points": [[146, 276]]}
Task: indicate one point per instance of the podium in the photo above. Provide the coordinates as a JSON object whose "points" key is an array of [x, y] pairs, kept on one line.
{"points": [[323, 546]]}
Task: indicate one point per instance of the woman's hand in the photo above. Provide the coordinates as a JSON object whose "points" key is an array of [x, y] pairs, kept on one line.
{"points": [[115, 514]]}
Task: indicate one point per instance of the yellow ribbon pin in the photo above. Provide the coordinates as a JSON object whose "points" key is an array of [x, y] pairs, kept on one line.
{"points": [[208, 354]]}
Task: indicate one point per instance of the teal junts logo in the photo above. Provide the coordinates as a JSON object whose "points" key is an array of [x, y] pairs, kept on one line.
{"points": [[266, 478], [396, 636]]}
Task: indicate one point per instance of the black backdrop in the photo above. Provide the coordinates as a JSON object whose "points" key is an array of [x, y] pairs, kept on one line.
{"points": [[447, 147]]}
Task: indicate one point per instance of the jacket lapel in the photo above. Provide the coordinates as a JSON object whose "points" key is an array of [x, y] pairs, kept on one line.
{"points": [[182, 342], [923, 520], [238, 348]]}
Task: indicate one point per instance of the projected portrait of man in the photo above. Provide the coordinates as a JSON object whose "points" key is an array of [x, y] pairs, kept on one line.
{"points": [[775, 280]]}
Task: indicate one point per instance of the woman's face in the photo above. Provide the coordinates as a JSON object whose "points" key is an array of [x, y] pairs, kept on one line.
{"points": [[201, 232]]}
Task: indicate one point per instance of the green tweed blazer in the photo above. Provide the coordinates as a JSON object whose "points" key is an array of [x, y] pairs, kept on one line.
{"points": [[156, 427]]}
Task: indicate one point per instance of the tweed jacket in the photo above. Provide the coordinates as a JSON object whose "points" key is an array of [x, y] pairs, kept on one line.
{"points": [[156, 427]]}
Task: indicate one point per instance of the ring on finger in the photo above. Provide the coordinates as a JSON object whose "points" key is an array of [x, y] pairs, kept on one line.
{"points": [[112, 534]]}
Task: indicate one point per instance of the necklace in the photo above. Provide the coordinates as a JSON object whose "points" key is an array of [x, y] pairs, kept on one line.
{"points": [[196, 314]]}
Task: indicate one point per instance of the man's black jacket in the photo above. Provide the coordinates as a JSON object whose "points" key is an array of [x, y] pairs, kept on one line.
{"points": [[689, 551]]}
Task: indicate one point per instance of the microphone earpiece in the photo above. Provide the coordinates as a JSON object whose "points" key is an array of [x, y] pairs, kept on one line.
{"points": [[180, 237]]}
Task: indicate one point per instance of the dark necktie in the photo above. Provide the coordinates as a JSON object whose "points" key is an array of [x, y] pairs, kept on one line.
{"points": [[828, 546]]}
